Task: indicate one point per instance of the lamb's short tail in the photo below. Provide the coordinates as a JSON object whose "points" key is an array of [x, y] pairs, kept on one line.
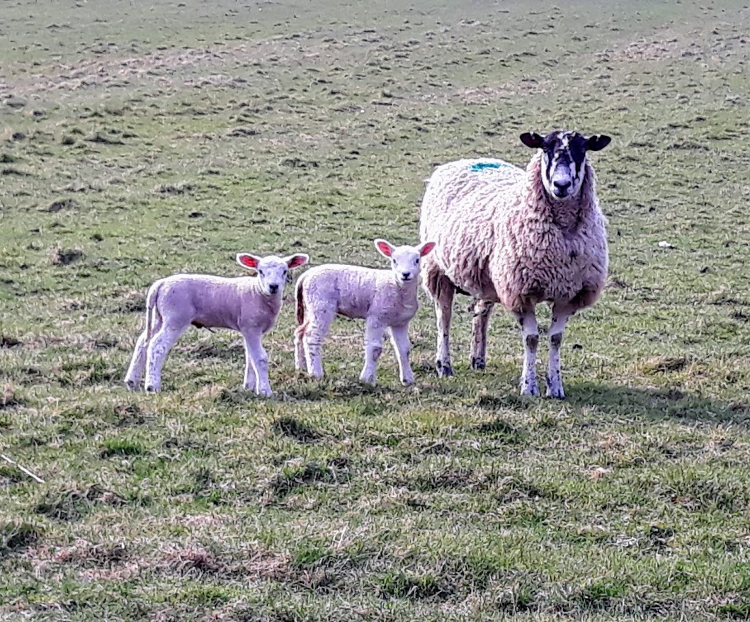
{"points": [[300, 301], [151, 299]]}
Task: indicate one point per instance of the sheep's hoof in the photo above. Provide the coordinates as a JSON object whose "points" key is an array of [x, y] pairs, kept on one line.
{"points": [[444, 370], [131, 384], [478, 363], [367, 380], [529, 388], [555, 392], [265, 393], [407, 382], [151, 388]]}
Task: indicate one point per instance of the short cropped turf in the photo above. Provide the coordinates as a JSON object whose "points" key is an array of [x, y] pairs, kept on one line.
{"points": [[143, 139]]}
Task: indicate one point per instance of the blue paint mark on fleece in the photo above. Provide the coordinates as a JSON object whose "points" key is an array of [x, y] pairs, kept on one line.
{"points": [[480, 166]]}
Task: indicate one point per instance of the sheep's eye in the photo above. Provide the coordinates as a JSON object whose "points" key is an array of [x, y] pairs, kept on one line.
{"points": [[260, 272]]}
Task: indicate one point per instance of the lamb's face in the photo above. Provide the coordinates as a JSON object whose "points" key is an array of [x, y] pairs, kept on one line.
{"points": [[404, 259], [272, 274], [564, 160], [272, 270]]}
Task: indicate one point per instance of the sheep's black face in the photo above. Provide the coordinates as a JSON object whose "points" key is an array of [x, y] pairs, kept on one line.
{"points": [[564, 159]]}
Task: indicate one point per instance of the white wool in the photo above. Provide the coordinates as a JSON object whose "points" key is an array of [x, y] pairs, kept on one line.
{"points": [[501, 238]]}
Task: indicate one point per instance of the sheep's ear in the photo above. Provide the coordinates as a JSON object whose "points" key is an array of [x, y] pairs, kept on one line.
{"points": [[295, 261], [532, 139], [246, 260], [597, 142], [426, 248], [385, 248]]}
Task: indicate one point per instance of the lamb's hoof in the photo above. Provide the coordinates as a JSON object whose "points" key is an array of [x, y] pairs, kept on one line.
{"points": [[131, 384], [407, 382], [152, 388], [368, 380], [265, 393], [444, 369], [478, 363], [529, 388]]}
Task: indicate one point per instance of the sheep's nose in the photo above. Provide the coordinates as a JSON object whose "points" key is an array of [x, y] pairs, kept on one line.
{"points": [[562, 186], [406, 275], [273, 288]]}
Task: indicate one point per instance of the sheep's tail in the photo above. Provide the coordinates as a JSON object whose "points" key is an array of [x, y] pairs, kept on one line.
{"points": [[152, 299], [300, 301]]}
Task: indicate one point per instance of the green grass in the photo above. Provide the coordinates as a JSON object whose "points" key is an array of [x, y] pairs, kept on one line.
{"points": [[142, 139]]}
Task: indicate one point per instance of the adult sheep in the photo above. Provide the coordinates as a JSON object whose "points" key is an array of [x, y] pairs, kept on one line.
{"points": [[519, 238]]}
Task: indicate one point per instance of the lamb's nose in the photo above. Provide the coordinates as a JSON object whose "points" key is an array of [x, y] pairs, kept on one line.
{"points": [[406, 275], [273, 288], [562, 185]]}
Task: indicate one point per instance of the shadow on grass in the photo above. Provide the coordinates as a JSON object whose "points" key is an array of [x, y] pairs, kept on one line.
{"points": [[655, 404]]}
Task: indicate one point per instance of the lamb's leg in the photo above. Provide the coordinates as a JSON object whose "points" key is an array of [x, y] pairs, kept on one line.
{"points": [[250, 382], [527, 321], [259, 359], [482, 311], [560, 315], [312, 340], [443, 297], [299, 347], [402, 346], [374, 334], [137, 363], [156, 354]]}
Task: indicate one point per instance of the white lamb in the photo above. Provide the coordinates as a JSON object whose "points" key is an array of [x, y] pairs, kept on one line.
{"points": [[385, 299], [249, 305], [518, 237]]}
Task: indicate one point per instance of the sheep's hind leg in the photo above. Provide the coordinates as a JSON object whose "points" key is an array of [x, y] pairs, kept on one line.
{"points": [[374, 334], [157, 352], [299, 347], [527, 321], [443, 294], [560, 315], [402, 346], [482, 311], [137, 363], [312, 340]]}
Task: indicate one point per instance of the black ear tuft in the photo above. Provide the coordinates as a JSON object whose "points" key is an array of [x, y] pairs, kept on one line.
{"points": [[597, 142], [532, 139]]}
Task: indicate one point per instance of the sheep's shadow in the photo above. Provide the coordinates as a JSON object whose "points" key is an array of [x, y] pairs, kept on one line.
{"points": [[655, 404], [609, 400]]}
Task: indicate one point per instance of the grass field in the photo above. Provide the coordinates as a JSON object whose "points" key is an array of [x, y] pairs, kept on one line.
{"points": [[139, 140]]}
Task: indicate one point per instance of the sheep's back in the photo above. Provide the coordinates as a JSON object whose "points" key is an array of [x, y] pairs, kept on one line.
{"points": [[463, 203]]}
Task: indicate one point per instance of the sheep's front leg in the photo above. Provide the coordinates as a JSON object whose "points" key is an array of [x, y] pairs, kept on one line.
{"points": [[402, 346], [482, 311], [137, 363], [156, 354], [527, 321], [374, 334], [259, 359], [560, 315], [250, 382]]}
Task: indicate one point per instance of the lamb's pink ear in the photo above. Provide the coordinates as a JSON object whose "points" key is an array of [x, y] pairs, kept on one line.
{"points": [[246, 260], [384, 248], [426, 248], [295, 261]]}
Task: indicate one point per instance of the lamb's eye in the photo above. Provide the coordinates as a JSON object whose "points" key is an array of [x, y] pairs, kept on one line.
{"points": [[260, 272]]}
